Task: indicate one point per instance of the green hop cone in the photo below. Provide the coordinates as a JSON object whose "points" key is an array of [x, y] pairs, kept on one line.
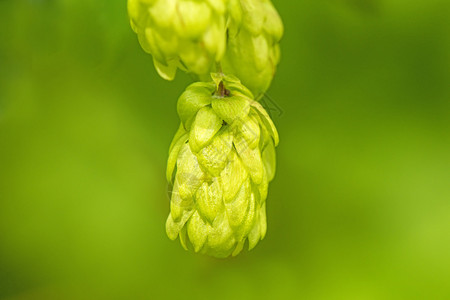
{"points": [[186, 34], [220, 164], [253, 54]]}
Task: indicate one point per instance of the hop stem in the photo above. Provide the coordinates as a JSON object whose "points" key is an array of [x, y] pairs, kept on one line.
{"points": [[219, 67], [222, 91]]}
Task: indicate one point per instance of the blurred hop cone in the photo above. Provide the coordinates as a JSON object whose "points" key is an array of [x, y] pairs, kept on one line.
{"points": [[186, 34], [253, 54], [220, 164], [194, 35]]}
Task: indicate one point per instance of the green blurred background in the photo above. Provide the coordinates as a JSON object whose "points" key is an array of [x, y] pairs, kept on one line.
{"points": [[360, 206]]}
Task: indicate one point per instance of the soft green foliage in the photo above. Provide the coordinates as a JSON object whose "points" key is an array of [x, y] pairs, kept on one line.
{"points": [[359, 207], [224, 157]]}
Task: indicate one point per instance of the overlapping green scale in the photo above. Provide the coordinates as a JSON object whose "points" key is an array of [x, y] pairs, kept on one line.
{"points": [[186, 34], [220, 163]]}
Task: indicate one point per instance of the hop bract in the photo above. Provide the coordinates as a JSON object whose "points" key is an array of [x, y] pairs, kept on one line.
{"points": [[253, 54], [186, 34], [220, 164]]}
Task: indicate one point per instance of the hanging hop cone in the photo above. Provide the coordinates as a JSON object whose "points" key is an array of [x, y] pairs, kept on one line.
{"points": [[220, 163], [256, 46], [186, 34]]}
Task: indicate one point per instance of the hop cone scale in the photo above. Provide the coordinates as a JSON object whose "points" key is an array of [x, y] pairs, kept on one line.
{"points": [[220, 164], [256, 46]]}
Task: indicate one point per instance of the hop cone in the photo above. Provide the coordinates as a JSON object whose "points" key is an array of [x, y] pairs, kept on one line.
{"points": [[253, 54], [221, 161], [186, 34]]}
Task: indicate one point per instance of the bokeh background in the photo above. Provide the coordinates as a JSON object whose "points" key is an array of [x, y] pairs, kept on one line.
{"points": [[360, 206]]}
